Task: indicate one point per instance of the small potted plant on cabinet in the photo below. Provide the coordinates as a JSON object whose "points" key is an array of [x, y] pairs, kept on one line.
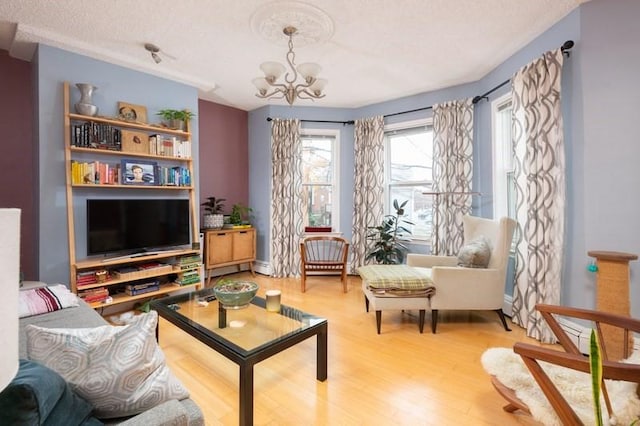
{"points": [[240, 215], [213, 218]]}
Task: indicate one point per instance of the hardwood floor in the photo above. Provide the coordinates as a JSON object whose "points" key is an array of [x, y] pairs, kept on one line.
{"points": [[400, 377]]}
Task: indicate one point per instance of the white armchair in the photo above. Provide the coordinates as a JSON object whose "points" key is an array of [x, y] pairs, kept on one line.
{"points": [[462, 288]]}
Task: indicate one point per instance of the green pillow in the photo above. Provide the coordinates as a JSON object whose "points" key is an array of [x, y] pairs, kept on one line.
{"points": [[39, 396], [475, 254]]}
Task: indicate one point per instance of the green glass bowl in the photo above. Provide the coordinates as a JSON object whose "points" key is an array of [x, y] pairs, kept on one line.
{"points": [[235, 294]]}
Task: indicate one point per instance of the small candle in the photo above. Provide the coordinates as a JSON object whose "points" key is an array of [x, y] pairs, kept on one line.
{"points": [[273, 300]]}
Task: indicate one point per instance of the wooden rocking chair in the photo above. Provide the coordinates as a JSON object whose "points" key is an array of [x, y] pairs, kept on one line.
{"points": [[324, 254], [573, 359]]}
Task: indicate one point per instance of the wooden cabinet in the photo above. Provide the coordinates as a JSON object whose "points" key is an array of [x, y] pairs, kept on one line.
{"points": [[227, 247], [96, 151]]}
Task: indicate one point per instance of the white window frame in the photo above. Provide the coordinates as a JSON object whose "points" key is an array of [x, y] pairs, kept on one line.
{"points": [[335, 163], [501, 165], [387, 172]]}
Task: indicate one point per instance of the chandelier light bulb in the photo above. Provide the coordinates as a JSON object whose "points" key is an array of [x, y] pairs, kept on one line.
{"points": [[272, 70], [309, 71]]}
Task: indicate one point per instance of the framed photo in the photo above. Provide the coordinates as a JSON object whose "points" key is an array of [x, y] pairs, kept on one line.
{"points": [[131, 112], [138, 172]]}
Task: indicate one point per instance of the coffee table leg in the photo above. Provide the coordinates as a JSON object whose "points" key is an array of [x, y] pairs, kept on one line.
{"points": [[321, 368], [246, 394]]}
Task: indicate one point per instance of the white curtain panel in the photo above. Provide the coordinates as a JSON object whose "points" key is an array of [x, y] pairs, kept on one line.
{"points": [[452, 172], [368, 193], [540, 190], [286, 187]]}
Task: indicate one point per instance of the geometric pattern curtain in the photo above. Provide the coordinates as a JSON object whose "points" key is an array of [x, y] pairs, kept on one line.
{"points": [[539, 190], [452, 173], [368, 193], [286, 187]]}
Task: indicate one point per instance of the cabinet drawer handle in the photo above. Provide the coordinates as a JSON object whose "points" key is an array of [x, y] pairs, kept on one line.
{"points": [[242, 232], [221, 235]]}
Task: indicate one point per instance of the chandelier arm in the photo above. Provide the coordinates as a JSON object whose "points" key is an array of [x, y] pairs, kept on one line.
{"points": [[272, 94], [309, 95]]}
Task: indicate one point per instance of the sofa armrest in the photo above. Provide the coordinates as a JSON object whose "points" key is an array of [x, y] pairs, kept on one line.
{"points": [[467, 288], [169, 413], [428, 261]]}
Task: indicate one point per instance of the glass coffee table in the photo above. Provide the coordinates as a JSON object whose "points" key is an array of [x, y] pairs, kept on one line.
{"points": [[245, 336]]}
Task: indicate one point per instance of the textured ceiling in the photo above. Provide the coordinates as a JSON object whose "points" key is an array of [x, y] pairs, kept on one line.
{"points": [[376, 50]]}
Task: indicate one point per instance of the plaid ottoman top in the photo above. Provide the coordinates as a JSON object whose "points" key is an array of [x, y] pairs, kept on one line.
{"points": [[396, 277]]}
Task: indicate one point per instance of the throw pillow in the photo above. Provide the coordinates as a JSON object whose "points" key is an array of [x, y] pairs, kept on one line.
{"points": [[121, 370], [45, 299], [39, 396], [475, 254]]}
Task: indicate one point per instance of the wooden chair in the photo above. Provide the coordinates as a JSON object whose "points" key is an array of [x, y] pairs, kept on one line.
{"points": [[324, 254], [572, 358]]}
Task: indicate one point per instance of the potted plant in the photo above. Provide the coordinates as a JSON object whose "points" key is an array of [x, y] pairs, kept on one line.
{"points": [[176, 119], [213, 218], [387, 238], [240, 215]]}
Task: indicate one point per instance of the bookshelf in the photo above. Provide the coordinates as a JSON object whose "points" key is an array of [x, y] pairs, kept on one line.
{"points": [[96, 164]]}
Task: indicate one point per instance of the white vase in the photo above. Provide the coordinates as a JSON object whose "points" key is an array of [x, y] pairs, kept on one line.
{"points": [[85, 105]]}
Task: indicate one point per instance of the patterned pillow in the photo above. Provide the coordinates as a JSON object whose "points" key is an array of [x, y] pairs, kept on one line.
{"points": [[120, 370], [475, 254]]}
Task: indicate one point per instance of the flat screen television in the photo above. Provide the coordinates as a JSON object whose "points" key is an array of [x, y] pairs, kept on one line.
{"points": [[127, 226]]}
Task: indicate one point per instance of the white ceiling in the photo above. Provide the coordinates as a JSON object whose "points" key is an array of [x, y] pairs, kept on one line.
{"points": [[378, 49]]}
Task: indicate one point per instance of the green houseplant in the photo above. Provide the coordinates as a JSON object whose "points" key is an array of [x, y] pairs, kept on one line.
{"points": [[240, 214], [388, 237], [213, 218], [176, 118]]}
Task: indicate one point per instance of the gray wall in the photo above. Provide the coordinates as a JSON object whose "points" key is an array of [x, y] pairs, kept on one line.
{"points": [[52, 67], [599, 98]]}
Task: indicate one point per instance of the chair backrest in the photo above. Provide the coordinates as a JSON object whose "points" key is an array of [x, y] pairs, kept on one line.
{"points": [[499, 233], [325, 250]]}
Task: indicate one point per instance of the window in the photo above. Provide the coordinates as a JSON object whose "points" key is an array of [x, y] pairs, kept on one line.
{"points": [[408, 168], [503, 172], [320, 178]]}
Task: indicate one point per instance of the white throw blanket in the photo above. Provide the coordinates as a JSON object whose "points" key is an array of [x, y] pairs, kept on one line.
{"points": [[45, 299], [575, 386]]}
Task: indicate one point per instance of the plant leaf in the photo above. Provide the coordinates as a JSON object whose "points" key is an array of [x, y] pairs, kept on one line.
{"points": [[595, 364]]}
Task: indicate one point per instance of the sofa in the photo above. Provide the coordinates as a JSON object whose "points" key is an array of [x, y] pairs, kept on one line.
{"points": [[172, 412]]}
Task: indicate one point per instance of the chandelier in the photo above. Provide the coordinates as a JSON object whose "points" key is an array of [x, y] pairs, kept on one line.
{"points": [[270, 87]]}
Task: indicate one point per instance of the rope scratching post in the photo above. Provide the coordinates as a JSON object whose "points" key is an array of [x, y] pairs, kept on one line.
{"points": [[612, 283]]}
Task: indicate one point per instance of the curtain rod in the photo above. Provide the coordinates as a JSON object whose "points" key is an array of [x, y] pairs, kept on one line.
{"points": [[565, 48], [344, 123]]}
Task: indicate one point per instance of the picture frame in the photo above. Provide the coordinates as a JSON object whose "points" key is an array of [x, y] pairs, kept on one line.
{"points": [[132, 113], [134, 141], [138, 172]]}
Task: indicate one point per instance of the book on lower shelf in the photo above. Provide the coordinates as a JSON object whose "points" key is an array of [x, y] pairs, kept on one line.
{"points": [[94, 295], [141, 288]]}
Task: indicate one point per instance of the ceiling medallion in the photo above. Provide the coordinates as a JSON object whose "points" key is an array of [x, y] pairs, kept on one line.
{"points": [[312, 24]]}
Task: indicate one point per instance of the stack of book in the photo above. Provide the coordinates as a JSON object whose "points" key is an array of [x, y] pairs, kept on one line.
{"points": [[141, 288], [193, 261], [188, 277], [86, 278], [99, 294]]}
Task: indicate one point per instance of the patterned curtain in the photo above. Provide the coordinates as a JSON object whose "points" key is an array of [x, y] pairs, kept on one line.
{"points": [[540, 190], [368, 203], [286, 184], [452, 173]]}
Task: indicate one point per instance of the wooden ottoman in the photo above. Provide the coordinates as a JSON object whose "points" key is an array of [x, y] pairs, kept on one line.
{"points": [[396, 287]]}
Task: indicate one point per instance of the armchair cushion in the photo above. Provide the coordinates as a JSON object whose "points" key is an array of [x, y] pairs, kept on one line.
{"points": [[475, 254]]}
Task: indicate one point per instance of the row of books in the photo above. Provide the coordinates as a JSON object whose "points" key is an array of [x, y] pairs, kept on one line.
{"points": [[173, 176], [96, 135], [189, 262], [99, 294], [169, 146], [95, 172], [101, 173]]}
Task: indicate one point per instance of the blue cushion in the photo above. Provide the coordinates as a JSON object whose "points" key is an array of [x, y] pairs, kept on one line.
{"points": [[40, 396]]}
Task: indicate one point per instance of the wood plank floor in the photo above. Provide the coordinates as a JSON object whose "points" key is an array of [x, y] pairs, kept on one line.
{"points": [[400, 377]]}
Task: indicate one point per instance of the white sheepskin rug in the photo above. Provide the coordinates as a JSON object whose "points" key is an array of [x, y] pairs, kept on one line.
{"points": [[575, 386]]}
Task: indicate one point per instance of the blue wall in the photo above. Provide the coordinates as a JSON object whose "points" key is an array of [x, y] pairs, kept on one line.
{"points": [[600, 96], [52, 67]]}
